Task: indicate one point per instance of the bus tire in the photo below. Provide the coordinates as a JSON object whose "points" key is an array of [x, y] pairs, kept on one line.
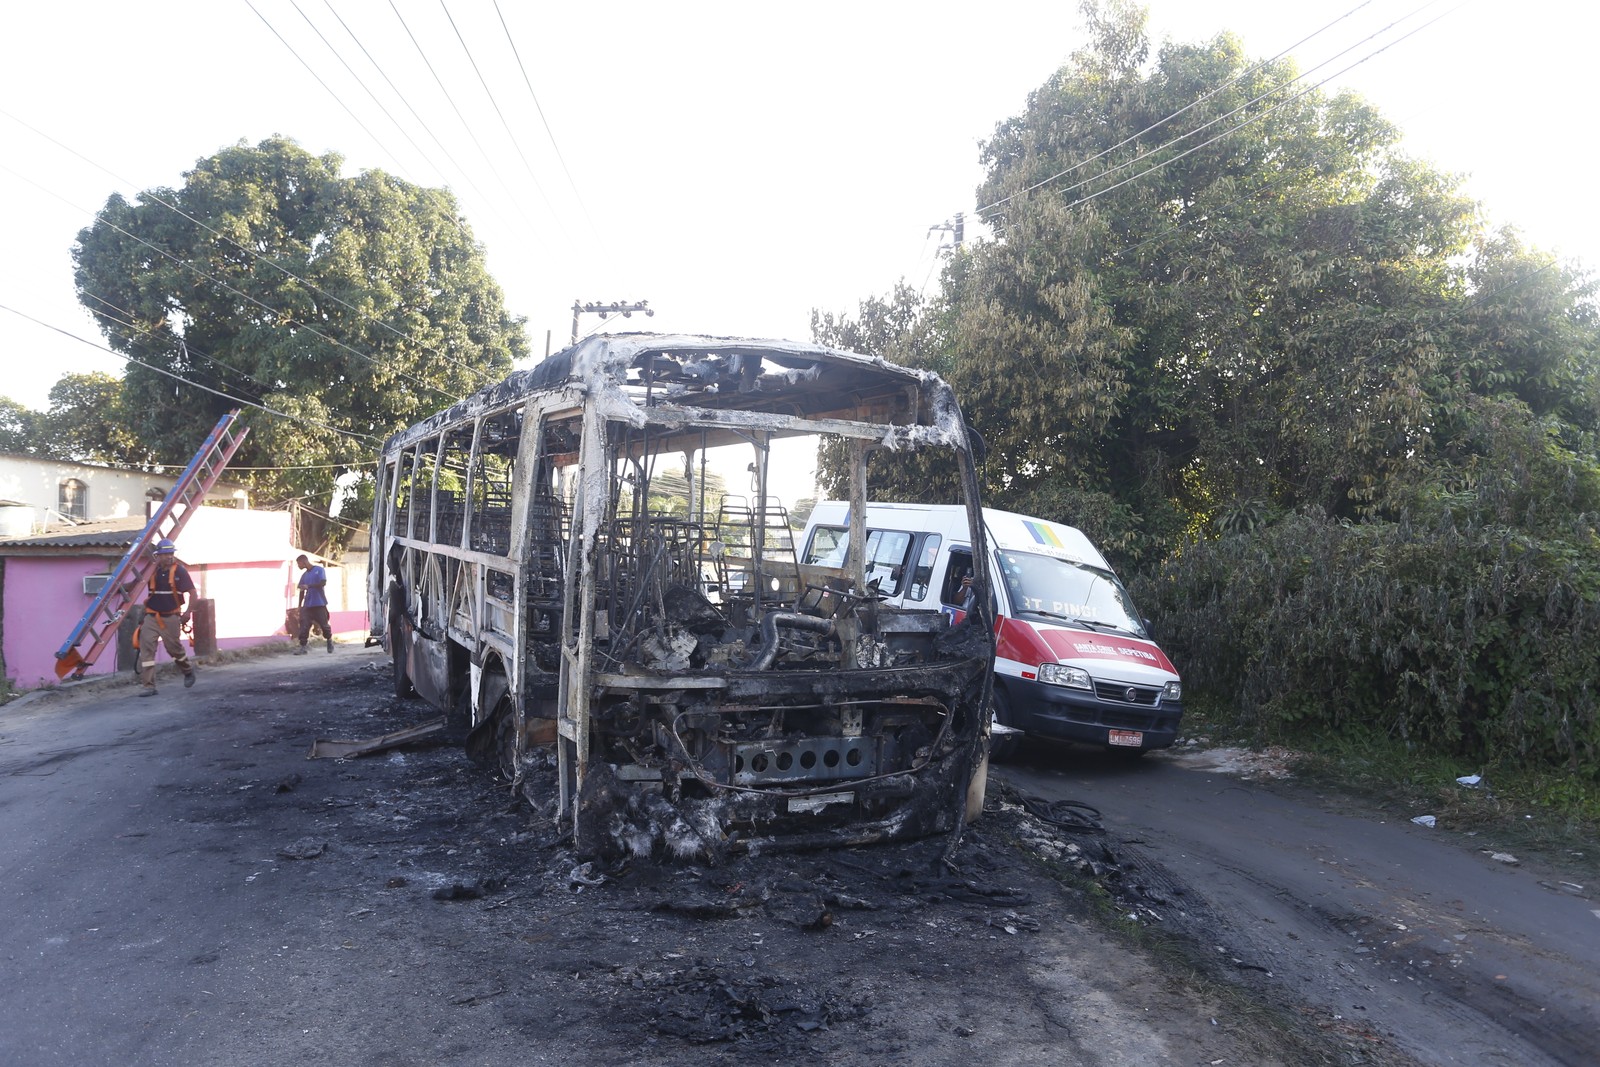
{"points": [[397, 654], [500, 723], [1003, 748], [458, 721]]}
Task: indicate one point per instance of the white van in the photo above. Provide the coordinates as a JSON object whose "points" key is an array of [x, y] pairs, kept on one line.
{"points": [[1073, 659]]}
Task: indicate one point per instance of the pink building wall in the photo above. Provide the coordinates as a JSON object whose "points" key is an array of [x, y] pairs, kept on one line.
{"points": [[240, 560], [44, 600]]}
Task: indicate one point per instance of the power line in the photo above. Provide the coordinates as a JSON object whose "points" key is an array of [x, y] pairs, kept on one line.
{"points": [[548, 131], [362, 82], [1246, 122], [348, 110], [496, 105], [1254, 118], [1172, 115], [291, 467], [337, 99], [193, 384], [489, 202], [1197, 101], [275, 312], [130, 321], [464, 123], [261, 258]]}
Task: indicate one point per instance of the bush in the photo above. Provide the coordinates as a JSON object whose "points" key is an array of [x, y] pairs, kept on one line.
{"points": [[1455, 636]]}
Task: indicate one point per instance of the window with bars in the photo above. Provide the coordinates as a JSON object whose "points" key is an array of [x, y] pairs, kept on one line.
{"points": [[73, 499]]}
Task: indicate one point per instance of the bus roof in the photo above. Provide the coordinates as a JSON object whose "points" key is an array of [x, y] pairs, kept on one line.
{"points": [[628, 372]]}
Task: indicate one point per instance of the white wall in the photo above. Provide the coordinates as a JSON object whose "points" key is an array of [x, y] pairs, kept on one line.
{"points": [[113, 493]]}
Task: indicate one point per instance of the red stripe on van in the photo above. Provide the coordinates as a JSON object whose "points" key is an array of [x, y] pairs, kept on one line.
{"points": [[1070, 645], [1019, 641]]}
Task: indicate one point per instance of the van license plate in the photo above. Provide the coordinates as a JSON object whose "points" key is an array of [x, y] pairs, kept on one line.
{"points": [[1130, 738]]}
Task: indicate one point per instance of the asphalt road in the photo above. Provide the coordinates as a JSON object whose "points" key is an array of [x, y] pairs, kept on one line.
{"points": [[171, 897], [182, 886], [1380, 927]]}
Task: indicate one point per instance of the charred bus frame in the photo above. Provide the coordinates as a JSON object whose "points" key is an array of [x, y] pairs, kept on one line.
{"points": [[660, 673]]}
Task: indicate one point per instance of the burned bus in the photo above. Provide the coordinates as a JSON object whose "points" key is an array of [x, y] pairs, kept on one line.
{"points": [[644, 657]]}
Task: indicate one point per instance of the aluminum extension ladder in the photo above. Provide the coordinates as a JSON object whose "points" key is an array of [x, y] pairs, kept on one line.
{"points": [[98, 627]]}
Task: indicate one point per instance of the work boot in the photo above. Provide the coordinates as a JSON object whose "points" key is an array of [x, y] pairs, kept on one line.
{"points": [[149, 692], [188, 680], [300, 651], [330, 643]]}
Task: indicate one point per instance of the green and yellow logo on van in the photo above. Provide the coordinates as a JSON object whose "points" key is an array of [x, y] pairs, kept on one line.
{"points": [[1043, 534]]}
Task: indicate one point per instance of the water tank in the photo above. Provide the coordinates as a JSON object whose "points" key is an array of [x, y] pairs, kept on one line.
{"points": [[16, 520]]}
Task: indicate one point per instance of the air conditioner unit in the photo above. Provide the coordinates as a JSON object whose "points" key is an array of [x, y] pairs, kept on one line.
{"points": [[93, 583]]}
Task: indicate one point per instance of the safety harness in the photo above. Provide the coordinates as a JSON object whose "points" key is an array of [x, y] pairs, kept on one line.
{"points": [[167, 570]]}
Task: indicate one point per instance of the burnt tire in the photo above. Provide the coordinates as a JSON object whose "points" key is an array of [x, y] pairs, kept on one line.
{"points": [[1003, 748], [493, 742], [458, 721], [403, 688]]}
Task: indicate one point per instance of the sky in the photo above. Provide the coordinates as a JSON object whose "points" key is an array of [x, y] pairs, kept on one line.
{"points": [[734, 165]]}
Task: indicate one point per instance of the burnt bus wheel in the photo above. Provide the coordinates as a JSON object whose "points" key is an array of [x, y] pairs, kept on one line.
{"points": [[458, 721], [492, 744], [502, 721], [397, 654], [1002, 748]]}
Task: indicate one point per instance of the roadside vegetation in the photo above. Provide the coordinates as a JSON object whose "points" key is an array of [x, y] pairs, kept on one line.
{"points": [[1339, 436]]}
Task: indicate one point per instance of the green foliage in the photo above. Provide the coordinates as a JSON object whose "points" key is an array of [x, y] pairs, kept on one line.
{"points": [[19, 427], [1248, 328], [87, 421], [355, 306], [1344, 442], [902, 329], [1449, 632]]}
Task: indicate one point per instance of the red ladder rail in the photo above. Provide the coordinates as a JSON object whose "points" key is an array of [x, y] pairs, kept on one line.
{"points": [[98, 627]]}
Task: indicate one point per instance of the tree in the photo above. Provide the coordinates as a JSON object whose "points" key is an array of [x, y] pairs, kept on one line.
{"points": [[1344, 442], [19, 427], [86, 421], [1351, 439], [1215, 296], [1202, 325], [902, 329], [350, 307]]}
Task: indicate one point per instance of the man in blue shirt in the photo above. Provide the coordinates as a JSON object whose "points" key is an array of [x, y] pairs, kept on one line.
{"points": [[313, 603]]}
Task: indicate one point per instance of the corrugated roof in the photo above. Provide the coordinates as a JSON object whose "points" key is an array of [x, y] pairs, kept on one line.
{"points": [[113, 533]]}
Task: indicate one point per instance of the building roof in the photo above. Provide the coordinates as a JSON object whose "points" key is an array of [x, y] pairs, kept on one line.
{"points": [[110, 533], [162, 472]]}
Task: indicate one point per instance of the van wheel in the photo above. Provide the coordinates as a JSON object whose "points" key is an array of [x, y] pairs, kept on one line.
{"points": [[1002, 748]]}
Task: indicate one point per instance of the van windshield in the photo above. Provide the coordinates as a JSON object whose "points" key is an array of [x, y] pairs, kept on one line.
{"points": [[1068, 592]]}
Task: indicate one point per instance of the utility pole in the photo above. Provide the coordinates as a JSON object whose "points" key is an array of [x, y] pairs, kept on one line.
{"points": [[955, 227], [605, 311]]}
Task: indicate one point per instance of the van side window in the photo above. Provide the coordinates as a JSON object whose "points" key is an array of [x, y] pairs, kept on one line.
{"points": [[827, 546], [922, 574], [888, 553], [960, 566]]}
